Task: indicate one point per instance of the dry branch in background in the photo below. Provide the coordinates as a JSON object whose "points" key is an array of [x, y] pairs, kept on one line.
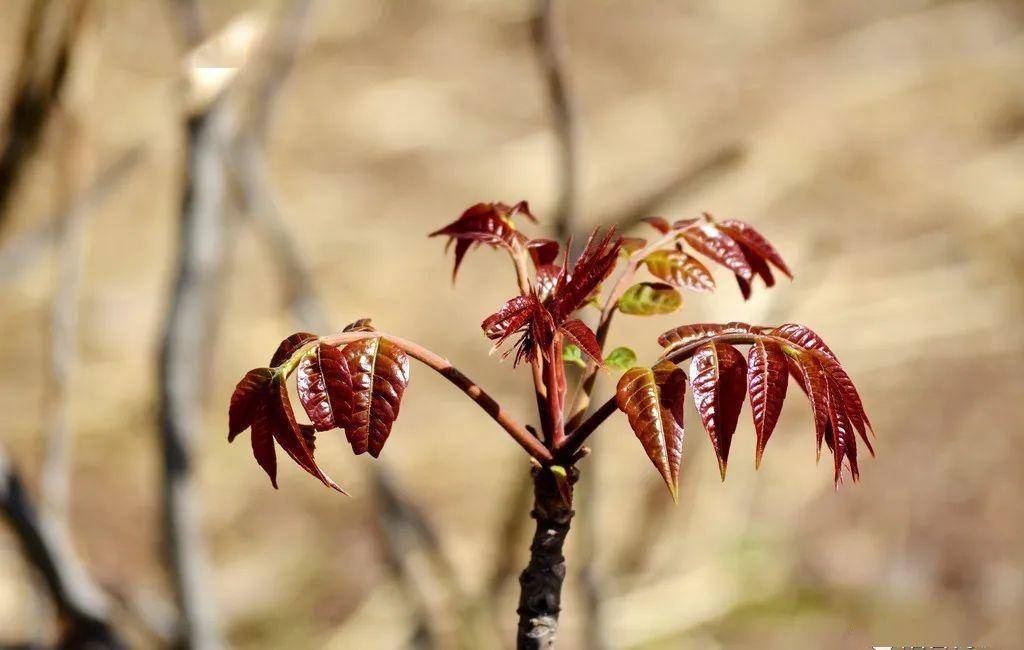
{"points": [[188, 329], [401, 523], [549, 44], [75, 166], [82, 606], [50, 35]]}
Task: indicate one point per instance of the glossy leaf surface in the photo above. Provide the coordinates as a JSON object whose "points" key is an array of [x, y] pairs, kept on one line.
{"points": [[767, 381], [680, 269], [251, 391], [380, 373], [574, 287], [483, 223], [744, 233], [708, 240], [718, 377], [288, 347], [652, 401], [803, 337], [325, 387], [687, 334]]}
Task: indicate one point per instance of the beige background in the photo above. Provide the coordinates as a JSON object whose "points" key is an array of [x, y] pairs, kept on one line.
{"points": [[884, 155]]}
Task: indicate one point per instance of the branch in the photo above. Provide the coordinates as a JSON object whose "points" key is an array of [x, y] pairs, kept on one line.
{"points": [[45, 54], [444, 367], [398, 517], [188, 329], [549, 44], [80, 603]]}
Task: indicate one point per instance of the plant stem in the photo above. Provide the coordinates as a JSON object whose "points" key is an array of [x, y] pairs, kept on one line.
{"points": [[444, 367], [540, 596], [577, 436]]}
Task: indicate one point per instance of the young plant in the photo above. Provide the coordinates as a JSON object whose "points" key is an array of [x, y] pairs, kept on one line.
{"points": [[355, 380]]}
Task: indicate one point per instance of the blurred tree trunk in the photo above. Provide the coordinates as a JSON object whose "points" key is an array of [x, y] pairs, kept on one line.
{"points": [[188, 329]]}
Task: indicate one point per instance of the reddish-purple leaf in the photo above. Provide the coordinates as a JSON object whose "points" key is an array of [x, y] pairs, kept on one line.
{"points": [[658, 223], [802, 337], [250, 392], [760, 268], [746, 234], [289, 435], [680, 269], [546, 278], [308, 433], [811, 378], [361, 325], [708, 240], [521, 208], [844, 440], [512, 317], [687, 334], [767, 376], [652, 401], [325, 387], [289, 346], [855, 406], [380, 373], [575, 286], [583, 337], [718, 376], [483, 223], [262, 438], [543, 251]]}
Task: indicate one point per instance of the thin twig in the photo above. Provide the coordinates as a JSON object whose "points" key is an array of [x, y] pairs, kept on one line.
{"points": [[526, 440], [80, 603], [549, 42]]}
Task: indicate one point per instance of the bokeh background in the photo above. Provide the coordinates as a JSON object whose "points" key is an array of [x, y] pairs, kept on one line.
{"points": [[879, 144]]}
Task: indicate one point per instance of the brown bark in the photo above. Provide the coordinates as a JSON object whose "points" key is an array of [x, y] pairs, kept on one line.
{"points": [[540, 598]]}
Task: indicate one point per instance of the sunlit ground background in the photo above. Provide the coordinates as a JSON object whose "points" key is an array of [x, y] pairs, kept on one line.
{"points": [[883, 153]]}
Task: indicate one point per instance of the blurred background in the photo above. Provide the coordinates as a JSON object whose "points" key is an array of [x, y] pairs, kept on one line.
{"points": [[182, 185]]}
